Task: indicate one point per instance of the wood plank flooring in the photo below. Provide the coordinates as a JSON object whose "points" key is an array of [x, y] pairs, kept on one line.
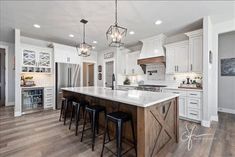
{"points": [[42, 135]]}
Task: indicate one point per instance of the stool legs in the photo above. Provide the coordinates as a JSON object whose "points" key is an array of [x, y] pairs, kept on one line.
{"points": [[77, 118], [119, 139], [93, 129], [105, 131], [72, 114], [65, 111], [61, 109], [84, 124]]}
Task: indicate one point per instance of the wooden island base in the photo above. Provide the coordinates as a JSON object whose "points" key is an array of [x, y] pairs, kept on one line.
{"points": [[156, 127]]}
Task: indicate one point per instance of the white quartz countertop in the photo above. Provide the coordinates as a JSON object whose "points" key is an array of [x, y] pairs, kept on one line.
{"points": [[185, 89], [132, 97]]}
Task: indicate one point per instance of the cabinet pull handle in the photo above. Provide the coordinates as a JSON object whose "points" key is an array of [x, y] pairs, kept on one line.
{"points": [[176, 92], [177, 68], [191, 66], [194, 114], [193, 103], [193, 94]]}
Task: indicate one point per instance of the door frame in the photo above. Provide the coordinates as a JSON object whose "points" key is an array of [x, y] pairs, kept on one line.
{"points": [[114, 69], [95, 71], [6, 73], [88, 72]]}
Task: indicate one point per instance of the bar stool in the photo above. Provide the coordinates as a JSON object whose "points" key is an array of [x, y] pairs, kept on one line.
{"points": [[119, 118], [93, 112], [75, 112]]}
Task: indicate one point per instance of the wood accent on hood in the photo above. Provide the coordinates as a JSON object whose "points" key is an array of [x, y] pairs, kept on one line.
{"points": [[143, 62]]}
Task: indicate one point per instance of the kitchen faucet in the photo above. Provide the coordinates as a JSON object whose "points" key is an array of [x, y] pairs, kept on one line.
{"points": [[113, 79]]}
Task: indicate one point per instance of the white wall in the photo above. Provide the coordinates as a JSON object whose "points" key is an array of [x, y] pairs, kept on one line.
{"points": [[226, 83], [11, 73], [101, 61]]}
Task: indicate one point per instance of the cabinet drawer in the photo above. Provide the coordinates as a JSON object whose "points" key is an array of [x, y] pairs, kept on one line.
{"points": [[48, 90], [194, 94], [48, 100], [181, 93], [194, 114], [194, 103], [47, 105], [48, 95]]}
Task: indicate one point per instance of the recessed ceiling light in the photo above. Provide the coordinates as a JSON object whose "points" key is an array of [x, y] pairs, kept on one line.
{"points": [[93, 47], [95, 42], [36, 26], [71, 35], [158, 22], [131, 32]]}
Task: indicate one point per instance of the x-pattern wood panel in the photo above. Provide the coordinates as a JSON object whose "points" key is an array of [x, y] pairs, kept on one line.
{"points": [[166, 133]]}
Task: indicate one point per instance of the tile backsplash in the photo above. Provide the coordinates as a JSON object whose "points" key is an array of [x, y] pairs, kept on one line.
{"points": [[155, 72], [41, 79]]}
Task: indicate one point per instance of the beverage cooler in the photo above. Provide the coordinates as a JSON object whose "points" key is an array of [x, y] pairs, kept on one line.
{"points": [[32, 100]]}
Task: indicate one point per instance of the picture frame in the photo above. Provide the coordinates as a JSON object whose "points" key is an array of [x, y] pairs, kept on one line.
{"points": [[227, 67]]}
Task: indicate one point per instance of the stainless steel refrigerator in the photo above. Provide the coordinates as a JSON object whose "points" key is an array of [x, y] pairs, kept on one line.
{"points": [[67, 75]]}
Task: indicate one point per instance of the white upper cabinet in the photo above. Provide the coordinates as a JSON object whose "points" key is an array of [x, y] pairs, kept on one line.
{"points": [[177, 55], [36, 59], [195, 51]]}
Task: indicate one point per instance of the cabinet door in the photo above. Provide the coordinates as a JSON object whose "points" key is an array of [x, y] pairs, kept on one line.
{"points": [[29, 58], [181, 58], [195, 49], [44, 59], [182, 107], [170, 61]]}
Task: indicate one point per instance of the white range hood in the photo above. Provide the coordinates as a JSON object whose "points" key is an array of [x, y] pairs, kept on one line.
{"points": [[153, 47], [152, 51]]}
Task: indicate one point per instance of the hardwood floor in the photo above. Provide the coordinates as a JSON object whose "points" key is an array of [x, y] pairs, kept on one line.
{"points": [[42, 135]]}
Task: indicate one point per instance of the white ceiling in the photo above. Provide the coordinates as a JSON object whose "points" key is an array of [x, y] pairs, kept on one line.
{"points": [[58, 19]]}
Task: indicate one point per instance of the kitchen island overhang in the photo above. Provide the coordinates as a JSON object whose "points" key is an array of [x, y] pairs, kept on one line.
{"points": [[155, 115]]}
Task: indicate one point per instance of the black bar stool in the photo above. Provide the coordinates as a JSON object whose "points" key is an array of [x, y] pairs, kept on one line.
{"points": [[93, 112], [75, 112], [63, 101], [67, 105], [119, 118]]}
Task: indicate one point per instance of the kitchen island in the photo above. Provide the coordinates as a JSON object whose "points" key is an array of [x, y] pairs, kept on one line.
{"points": [[155, 115]]}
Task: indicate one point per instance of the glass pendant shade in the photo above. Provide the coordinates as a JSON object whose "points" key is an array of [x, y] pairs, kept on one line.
{"points": [[84, 49], [116, 33]]}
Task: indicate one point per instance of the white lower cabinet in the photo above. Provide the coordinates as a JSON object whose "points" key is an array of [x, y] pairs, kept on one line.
{"points": [[48, 97], [190, 103]]}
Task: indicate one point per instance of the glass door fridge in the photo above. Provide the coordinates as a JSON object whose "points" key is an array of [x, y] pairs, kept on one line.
{"points": [[32, 100]]}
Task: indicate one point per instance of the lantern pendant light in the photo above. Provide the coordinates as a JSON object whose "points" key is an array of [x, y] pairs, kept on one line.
{"points": [[83, 48], [116, 33]]}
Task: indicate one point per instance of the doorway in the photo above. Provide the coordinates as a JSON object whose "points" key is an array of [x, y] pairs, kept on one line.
{"points": [[2, 77], [109, 70], [226, 75], [88, 74]]}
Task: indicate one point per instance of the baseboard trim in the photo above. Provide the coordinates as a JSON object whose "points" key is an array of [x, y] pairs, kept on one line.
{"points": [[206, 123], [226, 110], [214, 118], [10, 103], [17, 114]]}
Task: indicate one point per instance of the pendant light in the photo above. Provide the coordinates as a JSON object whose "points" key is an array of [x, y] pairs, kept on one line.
{"points": [[84, 49], [116, 33]]}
